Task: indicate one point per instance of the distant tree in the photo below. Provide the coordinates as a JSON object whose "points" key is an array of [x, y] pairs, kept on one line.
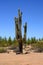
{"points": [[0, 41], [15, 42], [9, 41], [28, 41], [42, 39], [39, 39], [4, 42], [33, 40]]}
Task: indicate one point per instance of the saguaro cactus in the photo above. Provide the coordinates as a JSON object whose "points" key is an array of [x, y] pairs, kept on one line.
{"points": [[25, 31], [20, 33], [18, 23], [16, 27]]}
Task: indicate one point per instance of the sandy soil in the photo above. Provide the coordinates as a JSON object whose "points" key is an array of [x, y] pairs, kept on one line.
{"points": [[21, 59]]}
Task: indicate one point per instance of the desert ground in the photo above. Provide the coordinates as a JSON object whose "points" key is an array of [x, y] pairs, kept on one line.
{"points": [[21, 59]]}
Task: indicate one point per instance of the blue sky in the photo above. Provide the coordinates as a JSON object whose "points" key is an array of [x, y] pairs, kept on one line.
{"points": [[32, 14]]}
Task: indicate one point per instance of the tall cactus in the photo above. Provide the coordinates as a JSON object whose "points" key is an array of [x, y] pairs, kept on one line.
{"points": [[25, 31], [18, 23], [16, 28]]}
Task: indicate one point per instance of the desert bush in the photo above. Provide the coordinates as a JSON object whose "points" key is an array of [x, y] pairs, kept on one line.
{"points": [[2, 50], [38, 46]]}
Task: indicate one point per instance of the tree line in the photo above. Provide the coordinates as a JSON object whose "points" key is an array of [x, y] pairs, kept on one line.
{"points": [[36, 44], [4, 42], [8, 42]]}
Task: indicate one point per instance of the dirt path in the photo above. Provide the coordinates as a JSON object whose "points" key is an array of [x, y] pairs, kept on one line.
{"points": [[21, 59]]}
